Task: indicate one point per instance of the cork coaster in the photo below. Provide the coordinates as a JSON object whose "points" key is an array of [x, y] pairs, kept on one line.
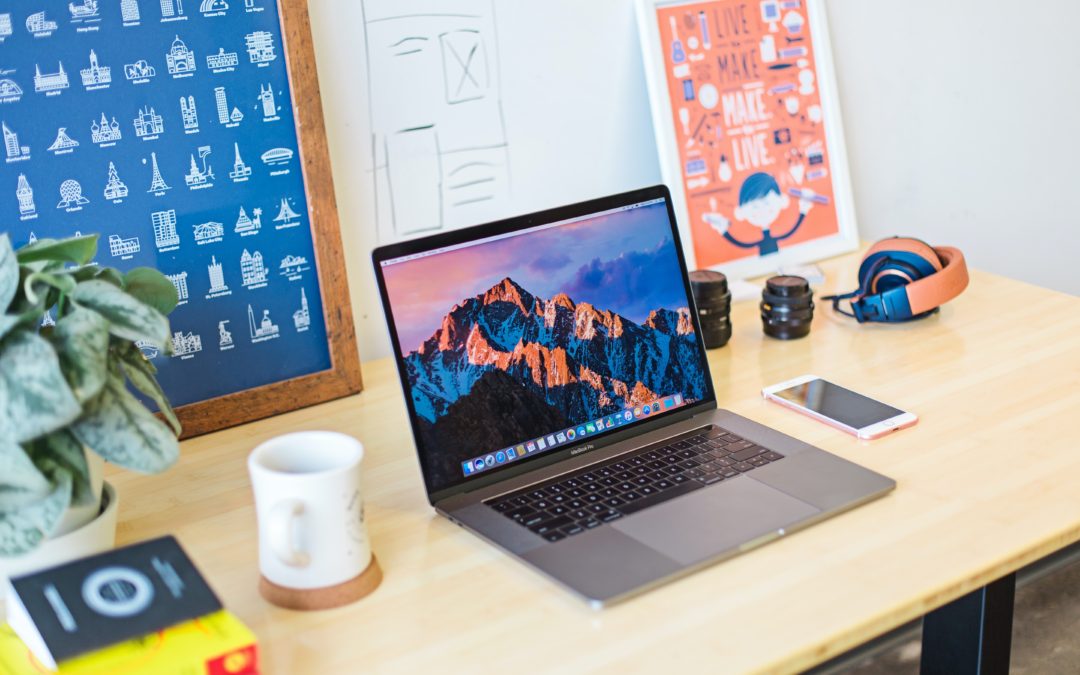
{"points": [[326, 597]]}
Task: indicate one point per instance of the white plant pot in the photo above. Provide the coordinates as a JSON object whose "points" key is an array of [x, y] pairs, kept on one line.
{"points": [[94, 537]]}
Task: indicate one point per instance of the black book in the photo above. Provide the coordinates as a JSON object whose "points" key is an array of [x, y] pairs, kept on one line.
{"points": [[89, 604]]}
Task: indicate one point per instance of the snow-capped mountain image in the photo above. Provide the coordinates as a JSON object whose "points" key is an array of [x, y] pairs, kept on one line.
{"points": [[506, 365], [524, 334]]}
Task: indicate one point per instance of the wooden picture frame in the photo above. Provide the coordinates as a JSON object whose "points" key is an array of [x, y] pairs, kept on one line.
{"points": [[770, 61], [344, 378], [244, 75]]}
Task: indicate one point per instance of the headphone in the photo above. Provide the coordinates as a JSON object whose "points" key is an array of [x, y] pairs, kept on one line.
{"points": [[902, 278]]}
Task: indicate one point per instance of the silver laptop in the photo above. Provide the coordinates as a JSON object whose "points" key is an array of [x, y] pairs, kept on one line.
{"points": [[562, 406]]}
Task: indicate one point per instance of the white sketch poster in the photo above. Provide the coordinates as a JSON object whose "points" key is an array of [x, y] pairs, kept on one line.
{"points": [[439, 148]]}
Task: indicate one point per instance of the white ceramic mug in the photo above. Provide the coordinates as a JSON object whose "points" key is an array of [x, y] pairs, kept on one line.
{"points": [[309, 507]]}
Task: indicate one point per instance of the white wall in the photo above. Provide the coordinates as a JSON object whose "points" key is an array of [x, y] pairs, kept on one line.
{"points": [[969, 138]]}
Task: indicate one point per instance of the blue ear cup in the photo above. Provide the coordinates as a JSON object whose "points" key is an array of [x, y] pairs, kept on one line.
{"points": [[895, 283], [881, 295], [882, 278], [886, 270], [892, 274]]}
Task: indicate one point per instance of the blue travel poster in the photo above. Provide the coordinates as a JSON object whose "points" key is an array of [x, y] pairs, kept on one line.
{"points": [[167, 127]]}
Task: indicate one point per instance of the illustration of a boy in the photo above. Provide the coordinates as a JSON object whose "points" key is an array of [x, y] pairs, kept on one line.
{"points": [[760, 203]]}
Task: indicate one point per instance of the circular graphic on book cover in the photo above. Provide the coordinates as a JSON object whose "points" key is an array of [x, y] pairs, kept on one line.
{"points": [[118, 592]]}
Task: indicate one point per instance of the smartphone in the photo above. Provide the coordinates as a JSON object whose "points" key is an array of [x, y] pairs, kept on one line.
{"points": [[839, 407]]}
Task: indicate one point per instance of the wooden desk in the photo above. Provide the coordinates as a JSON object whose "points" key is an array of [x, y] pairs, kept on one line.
{"points": [[989, 480]]}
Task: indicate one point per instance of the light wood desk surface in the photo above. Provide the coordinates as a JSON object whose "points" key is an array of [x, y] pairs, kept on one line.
{"points": [[988, 481]]}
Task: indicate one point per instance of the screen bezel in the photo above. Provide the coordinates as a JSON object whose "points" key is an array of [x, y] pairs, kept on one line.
{"points": [[514, 224]]}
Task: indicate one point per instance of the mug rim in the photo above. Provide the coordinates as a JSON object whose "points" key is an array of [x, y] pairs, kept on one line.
{"points": [[255, 463]]}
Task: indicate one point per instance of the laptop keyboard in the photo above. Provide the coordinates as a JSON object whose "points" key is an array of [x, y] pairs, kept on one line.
{"points": [[623, 485]]}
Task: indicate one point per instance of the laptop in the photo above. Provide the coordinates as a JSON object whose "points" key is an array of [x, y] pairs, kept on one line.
{"points": [[562, 406]]}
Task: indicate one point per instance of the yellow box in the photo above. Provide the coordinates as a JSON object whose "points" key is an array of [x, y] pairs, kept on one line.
{"points": [[216, 644]]}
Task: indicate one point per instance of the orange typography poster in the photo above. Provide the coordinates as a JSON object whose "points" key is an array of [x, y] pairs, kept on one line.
{"points": [[749, 126]]}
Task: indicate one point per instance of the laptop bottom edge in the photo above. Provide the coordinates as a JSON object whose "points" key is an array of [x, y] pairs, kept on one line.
{"points": [[621, 567]]}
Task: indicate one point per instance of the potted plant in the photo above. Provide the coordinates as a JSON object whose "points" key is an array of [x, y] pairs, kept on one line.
{"points": [[68, 353]]}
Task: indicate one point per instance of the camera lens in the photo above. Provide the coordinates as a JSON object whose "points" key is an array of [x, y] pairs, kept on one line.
{"points": [[713, 302], [787, 307]]}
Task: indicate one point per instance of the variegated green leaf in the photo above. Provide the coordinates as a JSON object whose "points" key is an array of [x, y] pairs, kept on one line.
{"points": [[81, 339], [78, 250], [34, 397], [128, 318], [119, 428], [9, 273], [113, 276], [88, 272], [84, 272], [152, 288], [20, 481], [30, 315], [140, 372], [61, 449], [7, 322], [24, 528]]}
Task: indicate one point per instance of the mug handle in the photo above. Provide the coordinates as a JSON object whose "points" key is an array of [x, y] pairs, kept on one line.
{"points": [[280, 533]]}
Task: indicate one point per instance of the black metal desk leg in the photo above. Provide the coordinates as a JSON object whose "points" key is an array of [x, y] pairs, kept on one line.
{"points": [[971, 635]]}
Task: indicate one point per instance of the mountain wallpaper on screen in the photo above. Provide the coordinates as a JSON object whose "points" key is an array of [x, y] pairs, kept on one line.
{"points": [[507, 366]]}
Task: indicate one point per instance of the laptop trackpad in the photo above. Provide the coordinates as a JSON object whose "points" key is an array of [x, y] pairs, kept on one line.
{"points": [[708, 522]]}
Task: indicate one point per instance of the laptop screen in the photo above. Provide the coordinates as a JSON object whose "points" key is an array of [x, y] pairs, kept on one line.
{"points": [[522, 343]]}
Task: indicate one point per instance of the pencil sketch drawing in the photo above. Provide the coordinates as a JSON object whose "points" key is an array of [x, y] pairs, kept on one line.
{"points": [[439, 149]]}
